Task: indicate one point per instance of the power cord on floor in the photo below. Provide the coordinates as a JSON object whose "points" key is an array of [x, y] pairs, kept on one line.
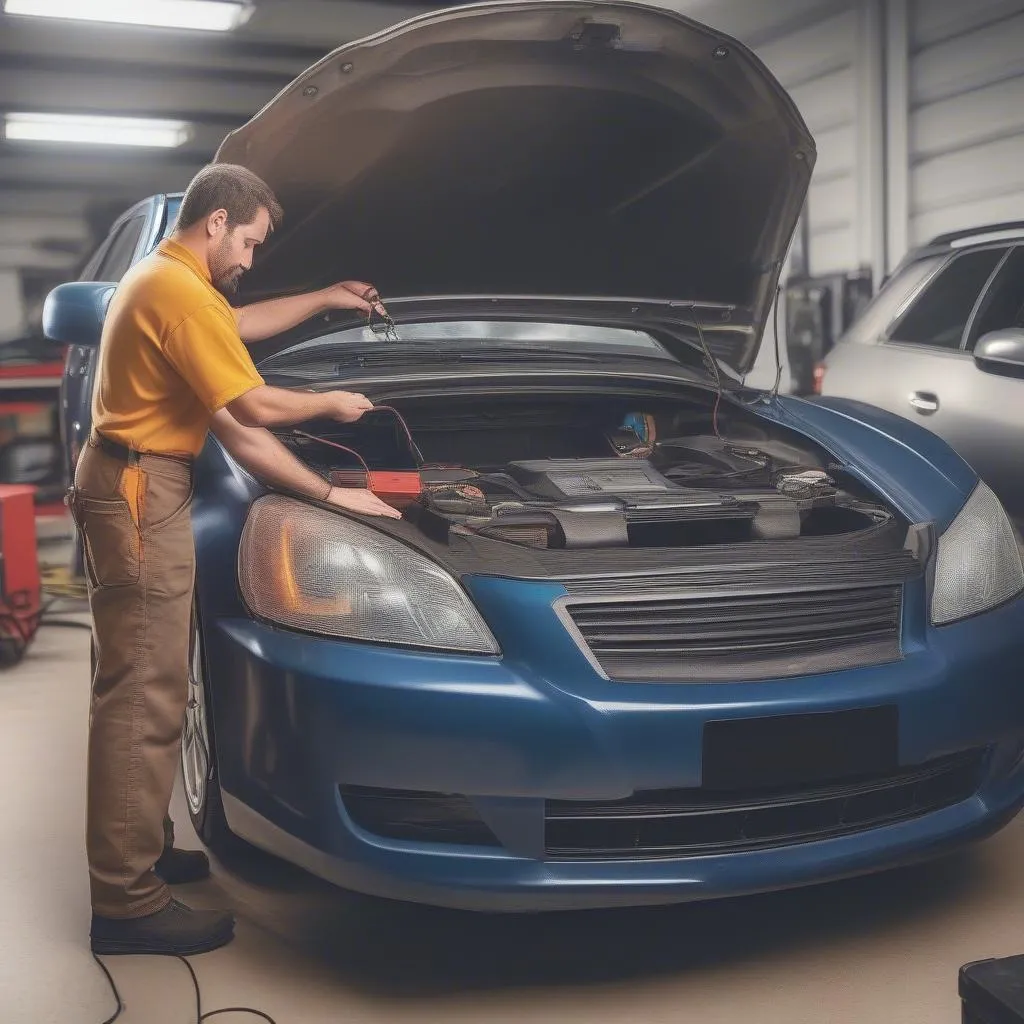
{"points": [[200, 1016]]}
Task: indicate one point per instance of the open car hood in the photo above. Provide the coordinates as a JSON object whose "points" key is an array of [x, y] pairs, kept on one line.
{"points": [[605, 151]]}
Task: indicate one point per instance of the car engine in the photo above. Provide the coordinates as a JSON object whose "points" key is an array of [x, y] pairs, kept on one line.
{"points": [[585, 474]]}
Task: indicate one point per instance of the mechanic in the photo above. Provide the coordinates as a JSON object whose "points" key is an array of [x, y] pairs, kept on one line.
{"points": [[173, 364]]}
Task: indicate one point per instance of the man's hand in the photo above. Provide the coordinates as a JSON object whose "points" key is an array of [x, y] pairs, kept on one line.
{"points": [[265, 319], [269, 460], [362, 502], [357, 295], [347, 406]]}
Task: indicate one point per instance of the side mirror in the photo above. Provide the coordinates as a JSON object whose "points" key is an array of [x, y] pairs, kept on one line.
{"points": [[1001, 352], [73, 313]]}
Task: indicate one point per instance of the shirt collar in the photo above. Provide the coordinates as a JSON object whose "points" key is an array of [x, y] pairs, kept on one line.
{"points": [[176, 251]]}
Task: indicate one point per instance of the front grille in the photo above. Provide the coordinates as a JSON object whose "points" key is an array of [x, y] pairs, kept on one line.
{"points": [[741, 637], [692, 822]]}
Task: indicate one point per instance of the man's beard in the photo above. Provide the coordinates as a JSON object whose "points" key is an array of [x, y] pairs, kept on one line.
{"points": [[228, 283], [225, 277]]}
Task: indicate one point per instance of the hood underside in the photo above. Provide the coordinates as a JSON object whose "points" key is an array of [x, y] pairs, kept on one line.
{"points": [[598, 150]]}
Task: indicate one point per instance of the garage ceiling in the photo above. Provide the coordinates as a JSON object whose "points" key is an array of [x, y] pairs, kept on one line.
{"points": [[56, 200]]}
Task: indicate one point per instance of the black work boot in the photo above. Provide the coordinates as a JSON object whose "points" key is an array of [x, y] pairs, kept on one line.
{"points": [[179, 867], [176, 930]]}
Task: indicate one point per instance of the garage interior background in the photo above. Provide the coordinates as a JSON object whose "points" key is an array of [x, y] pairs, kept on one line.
{"points": [[917, 107]]}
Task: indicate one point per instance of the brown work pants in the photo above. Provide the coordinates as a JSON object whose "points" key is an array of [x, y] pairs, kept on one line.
{"points": [[134, 520]]}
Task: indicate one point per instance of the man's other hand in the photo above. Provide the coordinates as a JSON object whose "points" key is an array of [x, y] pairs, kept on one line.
{"points": [[357, 295], [348, 406], [362, 502]]}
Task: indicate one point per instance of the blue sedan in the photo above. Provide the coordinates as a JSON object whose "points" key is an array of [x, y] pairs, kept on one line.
{"points": [[643, 634]]}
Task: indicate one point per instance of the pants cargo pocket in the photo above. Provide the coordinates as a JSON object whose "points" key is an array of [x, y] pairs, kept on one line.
{"points": [[168, 494], [110, 540]]}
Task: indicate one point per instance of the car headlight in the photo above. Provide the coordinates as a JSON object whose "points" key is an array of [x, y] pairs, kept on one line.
{"points": [[308, 568], [979, 563]]}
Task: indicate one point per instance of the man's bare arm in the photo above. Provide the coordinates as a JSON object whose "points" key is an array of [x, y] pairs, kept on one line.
{"points": [[265, 406], [269, 460], [265, 319]]}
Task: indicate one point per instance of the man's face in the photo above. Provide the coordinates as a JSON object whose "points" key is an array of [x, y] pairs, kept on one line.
{"points": [[231, 251]]}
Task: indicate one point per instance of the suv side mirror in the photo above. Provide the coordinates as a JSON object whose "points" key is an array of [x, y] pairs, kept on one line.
{"points": [[73, 313], [1001, 352]]}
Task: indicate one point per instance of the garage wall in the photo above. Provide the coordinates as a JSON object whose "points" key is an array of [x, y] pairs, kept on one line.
{"points": [[965, 106], [917, 107], [828, 55], [817, 64]]}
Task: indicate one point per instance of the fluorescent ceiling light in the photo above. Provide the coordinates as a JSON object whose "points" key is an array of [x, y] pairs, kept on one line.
{"points": [[98, 131], [206, 15]]}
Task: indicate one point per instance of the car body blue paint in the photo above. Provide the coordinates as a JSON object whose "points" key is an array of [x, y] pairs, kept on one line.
{"points": [[483, 881], [909, 466], [309, 714], [297, 715]]}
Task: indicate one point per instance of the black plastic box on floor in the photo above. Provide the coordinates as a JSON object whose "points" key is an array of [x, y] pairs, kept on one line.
{"points": [[992, 991]]}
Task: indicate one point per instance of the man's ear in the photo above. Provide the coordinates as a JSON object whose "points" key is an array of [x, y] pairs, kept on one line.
{"points": [[216, 222]]}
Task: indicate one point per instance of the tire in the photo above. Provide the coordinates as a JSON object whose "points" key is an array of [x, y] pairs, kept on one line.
{"points": [[199, 758]]}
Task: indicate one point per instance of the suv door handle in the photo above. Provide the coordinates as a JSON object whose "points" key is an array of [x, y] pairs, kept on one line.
{"points": [[924, 402]]}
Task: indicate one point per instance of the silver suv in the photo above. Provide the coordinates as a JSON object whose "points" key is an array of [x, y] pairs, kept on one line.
{"points": [[943, 344]]}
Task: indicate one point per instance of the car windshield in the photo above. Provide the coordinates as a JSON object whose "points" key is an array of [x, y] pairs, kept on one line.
{"points": [[469, 340]]}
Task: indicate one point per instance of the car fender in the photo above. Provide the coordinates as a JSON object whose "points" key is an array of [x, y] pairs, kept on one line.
{"points": [[911, 468]]}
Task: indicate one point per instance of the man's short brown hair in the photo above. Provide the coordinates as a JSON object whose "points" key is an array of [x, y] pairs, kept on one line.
{"points": [[228, 187]]}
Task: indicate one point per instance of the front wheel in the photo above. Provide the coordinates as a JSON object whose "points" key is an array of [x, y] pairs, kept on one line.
{"points": [[199, 757]]}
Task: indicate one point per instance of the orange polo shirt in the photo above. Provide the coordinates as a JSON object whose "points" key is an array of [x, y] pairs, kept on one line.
{"points": [[170, 356]]}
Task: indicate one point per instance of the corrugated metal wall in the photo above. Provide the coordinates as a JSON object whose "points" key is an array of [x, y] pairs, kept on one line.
{"points": [[917, 107], [827, 55], [817, 65], [966, 114]]}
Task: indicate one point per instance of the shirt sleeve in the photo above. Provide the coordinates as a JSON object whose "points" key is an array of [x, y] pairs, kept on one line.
{"points": [[206, 350]]}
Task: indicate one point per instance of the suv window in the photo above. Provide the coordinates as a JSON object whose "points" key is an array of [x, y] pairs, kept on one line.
{"points": [[1003, 305], [118, 257], [889, 302], [939, 316]]}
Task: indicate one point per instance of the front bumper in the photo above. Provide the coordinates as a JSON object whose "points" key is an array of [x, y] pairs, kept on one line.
{"points": [[298, 716]]}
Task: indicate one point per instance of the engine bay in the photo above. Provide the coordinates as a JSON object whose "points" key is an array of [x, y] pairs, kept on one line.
{"points": [[586, 471]]}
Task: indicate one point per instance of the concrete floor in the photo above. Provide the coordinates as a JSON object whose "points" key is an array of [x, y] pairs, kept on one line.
{"points": [[886, 948]]}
